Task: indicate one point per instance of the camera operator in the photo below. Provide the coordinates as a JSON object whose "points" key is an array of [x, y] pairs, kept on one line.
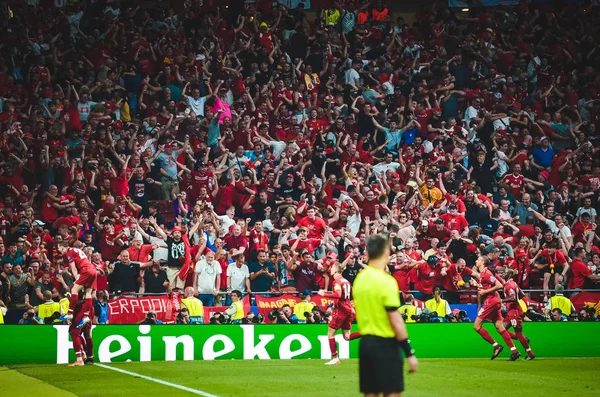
{"points": [[220, 318], [252, 318], [303, 307], [29, 317], [458, 316], [532, 315], [557, 315], [427, 316], [316, 316], [587, 314], [409, 310], [283, 316], [184, 316], [150, 319]]}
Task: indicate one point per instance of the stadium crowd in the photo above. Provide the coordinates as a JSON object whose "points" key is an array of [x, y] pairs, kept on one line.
{"points": [[250, 147]]}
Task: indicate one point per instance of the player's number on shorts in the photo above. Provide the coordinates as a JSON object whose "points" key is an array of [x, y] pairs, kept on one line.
{"points": [[480, 312], [513, 322], [347, 289]]}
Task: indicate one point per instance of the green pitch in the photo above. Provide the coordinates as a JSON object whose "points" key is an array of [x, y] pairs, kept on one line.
{"points": [[304, 378]]}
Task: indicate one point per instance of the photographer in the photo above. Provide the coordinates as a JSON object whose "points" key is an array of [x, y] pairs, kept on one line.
{"points": [[184, 316], [150, 319], [458, 316], [252, 318], [587, 314], [316, 316], [220, 318], [283, 316], [303, 307], [409, 310], [29, 317]]}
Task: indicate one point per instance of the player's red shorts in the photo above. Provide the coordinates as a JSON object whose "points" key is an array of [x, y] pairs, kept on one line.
{"points": [[88, 277], [514, 318], [491, 311], [341, 320]]}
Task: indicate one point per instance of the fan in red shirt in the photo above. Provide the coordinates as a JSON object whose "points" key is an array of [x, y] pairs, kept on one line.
{"points": [[343, 312], [514, 315], [553, 259], [515, 181], [316, 226], [491, 309], [452, 279], [454, 220], [304, 242], [581, 273], [86, 275], [583, 228]]}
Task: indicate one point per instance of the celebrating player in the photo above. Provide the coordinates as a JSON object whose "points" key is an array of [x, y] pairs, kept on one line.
{"points": [[343, 313], [86, 276], [82, 337], [492, 309], [514, 316]]}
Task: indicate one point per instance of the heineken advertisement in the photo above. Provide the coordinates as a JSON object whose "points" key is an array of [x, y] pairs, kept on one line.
{"points": [[113, 343]]}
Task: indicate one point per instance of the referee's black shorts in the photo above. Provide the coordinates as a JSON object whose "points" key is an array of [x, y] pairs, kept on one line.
{"points": [[380, 365]]}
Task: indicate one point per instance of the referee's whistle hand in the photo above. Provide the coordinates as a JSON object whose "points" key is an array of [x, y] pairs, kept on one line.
{"points": [[413, 364]]}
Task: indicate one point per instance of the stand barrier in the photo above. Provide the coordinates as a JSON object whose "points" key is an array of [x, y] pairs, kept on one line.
{"points": [[27, 344]]}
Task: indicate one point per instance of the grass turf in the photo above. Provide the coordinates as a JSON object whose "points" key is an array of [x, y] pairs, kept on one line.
{"points": [[310, 378]]}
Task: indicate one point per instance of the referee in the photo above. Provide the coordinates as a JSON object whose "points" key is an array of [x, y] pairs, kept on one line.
{"points": [[384, 335]]}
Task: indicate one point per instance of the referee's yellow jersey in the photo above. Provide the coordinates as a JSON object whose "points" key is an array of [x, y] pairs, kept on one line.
{"points": [[374, 292]]}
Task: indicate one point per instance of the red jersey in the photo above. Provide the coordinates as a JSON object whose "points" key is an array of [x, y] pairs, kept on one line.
{"points": [[558, 259], [515, 184], [488, 280], [453, 276], [455, 222], [579, 273], [512, 289], [342, 291], [316, 228], [81, 260], [426, 278]]}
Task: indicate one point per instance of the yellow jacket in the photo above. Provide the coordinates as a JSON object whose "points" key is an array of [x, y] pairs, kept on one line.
{"points": [[409, 310], [194, 306], [47, 309]]}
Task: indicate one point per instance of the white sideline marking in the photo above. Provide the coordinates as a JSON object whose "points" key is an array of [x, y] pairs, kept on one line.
{"points": [[162, 382]]}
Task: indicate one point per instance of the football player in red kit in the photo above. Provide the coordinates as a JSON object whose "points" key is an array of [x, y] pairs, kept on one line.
{"points": [[491, 309], [514, 315], [85, 273], [343, 313], [82, 337]]}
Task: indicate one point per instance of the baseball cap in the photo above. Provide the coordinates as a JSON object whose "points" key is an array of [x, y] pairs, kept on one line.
{"points": [[453, 207], [176, 229], [37, 222], [332, 255], [306, 292], [439, 221], [545, 174]]}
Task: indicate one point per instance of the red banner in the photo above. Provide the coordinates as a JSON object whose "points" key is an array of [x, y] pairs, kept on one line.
{"points": [[591, 299], [131, 310]]}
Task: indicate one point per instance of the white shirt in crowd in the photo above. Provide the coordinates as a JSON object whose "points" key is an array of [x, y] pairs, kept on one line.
{"points": [[207, 275], [238, 276]]}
